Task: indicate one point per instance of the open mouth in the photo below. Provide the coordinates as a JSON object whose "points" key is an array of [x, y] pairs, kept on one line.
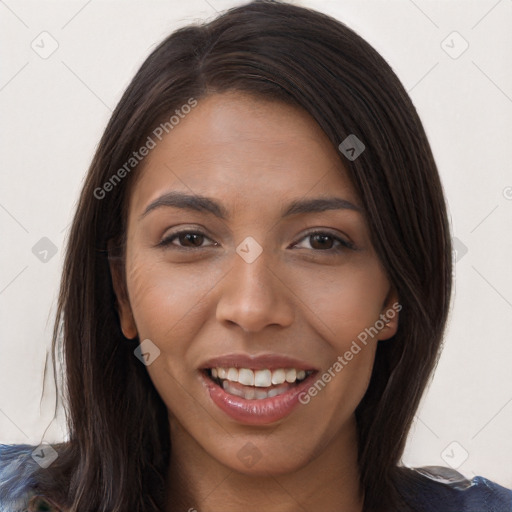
{"points": [[252, 384]]}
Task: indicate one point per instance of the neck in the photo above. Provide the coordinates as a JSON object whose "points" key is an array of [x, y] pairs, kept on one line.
{"points": [[329, 481]]}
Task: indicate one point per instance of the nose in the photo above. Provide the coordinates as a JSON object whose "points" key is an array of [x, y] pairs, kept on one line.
{"points": [[252, 296]]}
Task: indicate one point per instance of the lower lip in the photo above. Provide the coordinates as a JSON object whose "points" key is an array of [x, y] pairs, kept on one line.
{"points": [[256, 412]]}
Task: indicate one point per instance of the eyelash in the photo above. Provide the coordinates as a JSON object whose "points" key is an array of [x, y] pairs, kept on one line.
{"points": [[343, 244]]}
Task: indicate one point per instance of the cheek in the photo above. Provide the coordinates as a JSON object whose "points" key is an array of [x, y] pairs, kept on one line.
{"points": [[344, 307], [169, 308], [342, 302], [168, 302]]}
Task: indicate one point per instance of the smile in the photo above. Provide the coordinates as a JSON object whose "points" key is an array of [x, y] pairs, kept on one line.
{"points": [[256, 389], [256, 384]]}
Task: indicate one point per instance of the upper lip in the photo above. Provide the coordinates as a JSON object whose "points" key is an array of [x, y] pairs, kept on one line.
{"points": [[257, 362]]}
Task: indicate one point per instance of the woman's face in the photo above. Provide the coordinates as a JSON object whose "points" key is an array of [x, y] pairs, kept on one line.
{"points": [[275, 271]]}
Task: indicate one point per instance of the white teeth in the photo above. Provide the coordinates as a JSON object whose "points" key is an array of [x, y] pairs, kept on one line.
{"points": [[259, 378], [246, 377], [260, 394], [251, 393], [232, 375], [291, 375], [263, 378], [232, 390], [278, 376], [274, 392]]}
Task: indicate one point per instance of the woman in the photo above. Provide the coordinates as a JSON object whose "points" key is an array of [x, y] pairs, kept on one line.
{"points": [[256, 286]]}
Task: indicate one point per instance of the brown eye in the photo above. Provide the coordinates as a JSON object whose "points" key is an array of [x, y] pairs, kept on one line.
{"points": [[191, 239], [324, 241], [186, 240], [321, 241]]}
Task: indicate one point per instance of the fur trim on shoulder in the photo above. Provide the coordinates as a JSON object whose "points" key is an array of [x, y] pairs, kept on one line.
{"points": [[17, 482]]}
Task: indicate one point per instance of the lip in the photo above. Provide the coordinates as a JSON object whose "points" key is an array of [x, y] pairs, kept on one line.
{"points": [[256, 412], [257, 362]]}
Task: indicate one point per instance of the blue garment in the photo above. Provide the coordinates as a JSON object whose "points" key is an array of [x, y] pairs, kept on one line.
{"points": [[439, 489], [429, 489], [17, 469]]}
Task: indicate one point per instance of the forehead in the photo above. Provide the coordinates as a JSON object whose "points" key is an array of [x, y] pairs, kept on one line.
{"points": [[234, 145]]}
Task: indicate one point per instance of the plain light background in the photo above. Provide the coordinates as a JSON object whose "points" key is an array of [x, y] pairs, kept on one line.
{"points": [[55, 107]]}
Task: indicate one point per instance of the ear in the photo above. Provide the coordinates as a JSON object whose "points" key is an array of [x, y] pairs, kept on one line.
{"points": [[389, 315], [124, 310]]}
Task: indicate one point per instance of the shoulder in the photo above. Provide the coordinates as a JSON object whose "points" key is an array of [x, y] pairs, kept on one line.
{"points": [[439, 489], [18, 468]]}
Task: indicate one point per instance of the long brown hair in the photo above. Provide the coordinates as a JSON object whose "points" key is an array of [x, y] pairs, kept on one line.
{"points": [[118, 451]]}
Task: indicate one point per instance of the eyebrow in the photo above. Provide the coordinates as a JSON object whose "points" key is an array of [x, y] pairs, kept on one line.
{"points": [[206, 204]]}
